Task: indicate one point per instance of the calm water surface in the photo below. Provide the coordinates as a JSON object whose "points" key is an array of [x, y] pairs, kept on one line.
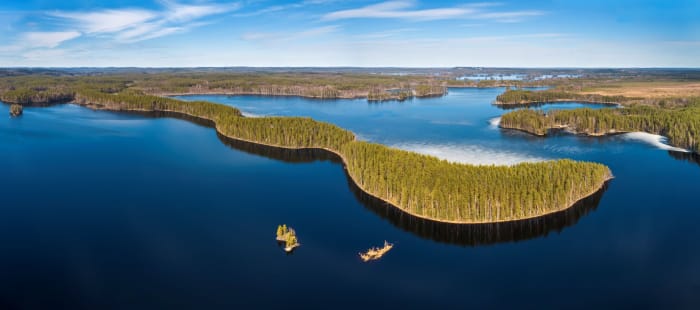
{"points": [[461, 126], [123, 211]]}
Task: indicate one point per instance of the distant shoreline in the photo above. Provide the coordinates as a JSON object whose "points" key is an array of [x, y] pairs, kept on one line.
{"points": [[526, 103], [240, 93]]}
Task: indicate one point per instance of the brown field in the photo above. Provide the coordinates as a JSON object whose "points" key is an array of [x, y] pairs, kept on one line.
{"points": [[656, 89]]}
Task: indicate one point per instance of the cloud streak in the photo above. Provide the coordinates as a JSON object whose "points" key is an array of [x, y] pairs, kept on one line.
{"points": [[406, 9], [47, 39], [266, 37], [105, 21], [509, 17], [133, 25], [284, 7], [188, 12], [397, 9]]}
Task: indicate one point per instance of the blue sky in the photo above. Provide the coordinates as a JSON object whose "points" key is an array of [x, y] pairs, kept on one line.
{"points": [[410, 33]]}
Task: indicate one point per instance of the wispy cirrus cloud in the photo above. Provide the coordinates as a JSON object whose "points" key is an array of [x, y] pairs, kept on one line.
{"points": [[39, 39], [509, 17], [407, 9], [284, 7], [47, 39], [267, 37], [188, 12], [105, 21], [133, 25], [398, 9]]}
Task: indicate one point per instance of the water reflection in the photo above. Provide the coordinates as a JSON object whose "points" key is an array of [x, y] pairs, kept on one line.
{"points": [[686, 156], [286, 155], [557, 105], [459, 234], [481, 234]]}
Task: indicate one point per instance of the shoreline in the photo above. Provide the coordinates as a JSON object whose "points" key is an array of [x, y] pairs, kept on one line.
{"points": [[236, 93], [494, 86], [538, 103], [352, 177], [571, 132], [595, 135]]}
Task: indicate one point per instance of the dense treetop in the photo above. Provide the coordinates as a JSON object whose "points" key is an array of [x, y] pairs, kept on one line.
{"points": [[681, 125]]}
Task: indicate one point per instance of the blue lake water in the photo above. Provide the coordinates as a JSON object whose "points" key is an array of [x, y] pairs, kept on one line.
{"points": [[106, 210], [460, 127]]}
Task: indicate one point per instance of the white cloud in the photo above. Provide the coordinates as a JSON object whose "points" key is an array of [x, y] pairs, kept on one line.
{"points": [[187, 12], [405, 9], [106, 21], [266, 37], [398, 9], [146, 31], [283, 7], [41, 54], [46, 39], [509, 17], [132, 25]]}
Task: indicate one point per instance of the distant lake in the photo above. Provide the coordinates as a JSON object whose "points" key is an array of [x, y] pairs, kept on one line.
{"points": [[107, 210]]}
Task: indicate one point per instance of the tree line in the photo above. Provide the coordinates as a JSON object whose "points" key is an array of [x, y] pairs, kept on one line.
{"points": [[520, 96], [681, 125]]}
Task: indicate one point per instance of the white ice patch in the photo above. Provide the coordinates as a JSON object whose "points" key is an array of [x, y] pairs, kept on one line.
{"points": [[361, 137], [494, 122], [470, 154], [252, 115], [657, 141]]}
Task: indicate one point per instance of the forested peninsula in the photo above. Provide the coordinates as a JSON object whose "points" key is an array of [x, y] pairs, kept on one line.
{"points": [[676, 117], [519, 97], [421, 185]]}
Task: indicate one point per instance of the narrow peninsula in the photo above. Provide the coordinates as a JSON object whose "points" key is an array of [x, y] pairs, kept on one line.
{"points": [[421, 185]]}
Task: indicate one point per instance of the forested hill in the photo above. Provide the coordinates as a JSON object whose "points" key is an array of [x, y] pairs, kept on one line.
{"points": [[421, 185]]}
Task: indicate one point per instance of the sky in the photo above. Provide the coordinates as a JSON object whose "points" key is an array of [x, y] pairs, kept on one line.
{"points": [[359, 33]]}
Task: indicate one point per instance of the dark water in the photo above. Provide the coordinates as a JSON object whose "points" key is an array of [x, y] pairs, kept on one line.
{"points": [[104, 210]]}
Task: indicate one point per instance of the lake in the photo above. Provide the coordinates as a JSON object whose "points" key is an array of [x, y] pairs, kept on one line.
{"points": [[135, 211]]}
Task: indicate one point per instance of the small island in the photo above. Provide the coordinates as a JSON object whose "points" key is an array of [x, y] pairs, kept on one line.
{"points": [[375, 253], [16, 110], [289, 236]]}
